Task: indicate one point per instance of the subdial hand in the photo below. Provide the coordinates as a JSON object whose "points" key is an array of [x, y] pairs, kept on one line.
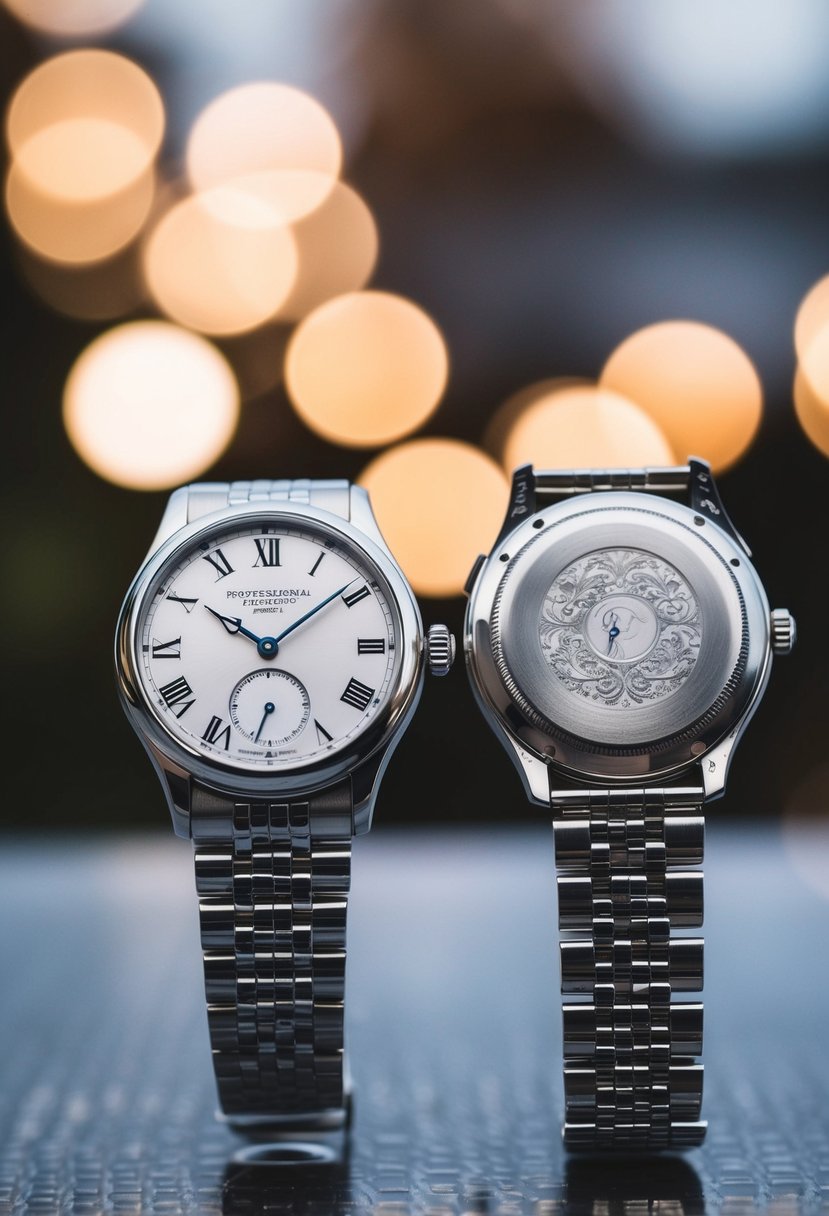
{"points": [[266, 646], [269, 708]]}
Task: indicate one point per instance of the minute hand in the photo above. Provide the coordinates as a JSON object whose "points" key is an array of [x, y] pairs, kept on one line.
{"points": [[311, 612]]}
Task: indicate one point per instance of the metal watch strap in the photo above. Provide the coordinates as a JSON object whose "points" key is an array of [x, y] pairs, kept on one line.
{"points": [[272, 879], [564, 483], [328, 495], [625, 887], [631, 1077]]}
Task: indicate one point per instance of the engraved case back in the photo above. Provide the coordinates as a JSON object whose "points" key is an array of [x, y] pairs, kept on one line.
{"points": [[618, 636]]}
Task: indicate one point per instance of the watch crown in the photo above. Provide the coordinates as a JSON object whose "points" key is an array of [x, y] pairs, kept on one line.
{"points": [[440, 650], [783, 631]]}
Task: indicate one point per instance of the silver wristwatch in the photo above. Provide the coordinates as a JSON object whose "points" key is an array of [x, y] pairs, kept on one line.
{"points": [[618, 640], [270, 654]]}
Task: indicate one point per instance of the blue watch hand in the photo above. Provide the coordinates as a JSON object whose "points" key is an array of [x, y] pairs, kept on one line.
{"points": [[233, 624], [612, 635], [311, 612], [269, 708]]}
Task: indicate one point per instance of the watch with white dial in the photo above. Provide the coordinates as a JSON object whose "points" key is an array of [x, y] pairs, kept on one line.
{"points": [[269, 655], [618, 640]]}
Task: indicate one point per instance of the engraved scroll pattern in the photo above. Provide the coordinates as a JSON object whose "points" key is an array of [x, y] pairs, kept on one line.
{"points": [[630, 572]]}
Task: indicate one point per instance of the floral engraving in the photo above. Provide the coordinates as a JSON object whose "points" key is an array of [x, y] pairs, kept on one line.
{"points": [[600, 590]]}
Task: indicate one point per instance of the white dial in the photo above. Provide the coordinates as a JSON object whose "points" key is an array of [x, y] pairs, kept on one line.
{"points": [[267, 646]]}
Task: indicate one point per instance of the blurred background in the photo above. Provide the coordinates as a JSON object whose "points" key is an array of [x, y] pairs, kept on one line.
{"points": [[415, 244]]}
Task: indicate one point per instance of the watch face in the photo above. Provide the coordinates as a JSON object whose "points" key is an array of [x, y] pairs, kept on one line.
{"points": [[620, 627], [268, 645]]}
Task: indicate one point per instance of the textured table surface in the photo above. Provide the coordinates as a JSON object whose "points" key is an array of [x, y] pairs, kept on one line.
{"points": [[106, 1090]]}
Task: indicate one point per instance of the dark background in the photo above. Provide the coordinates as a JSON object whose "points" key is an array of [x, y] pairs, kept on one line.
{"points": [[540, 219]]}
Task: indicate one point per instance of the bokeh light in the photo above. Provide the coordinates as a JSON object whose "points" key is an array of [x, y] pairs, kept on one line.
{"points": [[220, 269], [77, 232], [366, 368], [812, 412], [585, 426], [812, 316], [814, 365], [85, 94], [696, 383], [275, 140], [84, 129], [502, 421], [337, 246], [73, 18], [439, 503], [148, 405]]}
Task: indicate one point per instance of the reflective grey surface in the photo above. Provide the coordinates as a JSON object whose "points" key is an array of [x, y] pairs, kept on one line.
{"points": [[107, 1094]]}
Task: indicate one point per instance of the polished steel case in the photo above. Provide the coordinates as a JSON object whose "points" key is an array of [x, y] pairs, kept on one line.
{"points": [[542, 727], [364, 760]]}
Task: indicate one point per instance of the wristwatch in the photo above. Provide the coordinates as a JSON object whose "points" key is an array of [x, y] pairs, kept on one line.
{"points": [[269, 655], [618, 640]]}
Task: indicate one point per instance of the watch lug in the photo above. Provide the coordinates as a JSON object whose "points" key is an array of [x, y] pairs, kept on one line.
{"points": [[715, 765], [706, 501], [521, 501], [534, 772], [362, 517], [365, 782], [175, 782], [174, 517]]}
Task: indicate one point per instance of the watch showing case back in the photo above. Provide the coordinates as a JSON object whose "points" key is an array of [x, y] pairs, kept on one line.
{"points": [[618, 640], [269, 655]]}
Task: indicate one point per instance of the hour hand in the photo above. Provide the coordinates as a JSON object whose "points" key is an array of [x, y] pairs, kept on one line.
{"points": [[233, 624]]}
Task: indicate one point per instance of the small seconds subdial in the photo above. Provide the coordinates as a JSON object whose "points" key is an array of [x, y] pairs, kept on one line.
{"points": [[270, 707]]}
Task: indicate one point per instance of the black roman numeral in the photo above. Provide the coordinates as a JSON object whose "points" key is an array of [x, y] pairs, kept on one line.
{"points": [[167, 650], [217, 733], [176, 693], [357, 694], [315, 566], [187, 604], [322, 734], [371, 645], [267, 551], [355, 596], [219, 562]]}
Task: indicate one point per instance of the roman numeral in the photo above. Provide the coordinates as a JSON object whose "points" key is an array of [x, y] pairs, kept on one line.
{"points": [[355, 596], [315, 566], [167, 650], [217, 733], [371, 645], [219, 562], [187, 604], [267, 551], [357, 694], [322, 734], [176, 693]]}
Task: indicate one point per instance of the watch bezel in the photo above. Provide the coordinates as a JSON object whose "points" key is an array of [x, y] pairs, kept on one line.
{"points": [[317, 773], [511, 714]]}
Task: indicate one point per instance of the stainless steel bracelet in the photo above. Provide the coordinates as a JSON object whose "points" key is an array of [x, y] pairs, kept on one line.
{"points": [[626, 891], [564, 483], [272, 879], [332, 495], [625, 885]]}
